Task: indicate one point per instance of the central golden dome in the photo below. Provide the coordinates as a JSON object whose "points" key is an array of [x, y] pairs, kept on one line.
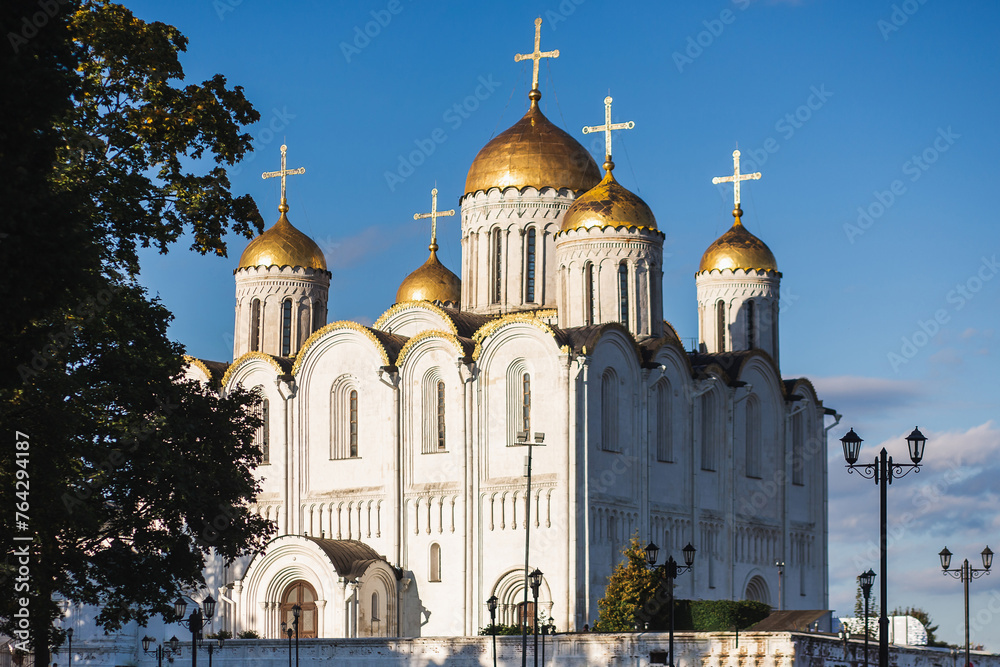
{"points": [[608, 204], [738, 249], [431, 282], [533, 152], [283, 245]]}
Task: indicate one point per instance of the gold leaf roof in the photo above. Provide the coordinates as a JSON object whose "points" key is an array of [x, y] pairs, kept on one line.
{"points": [[738, 249], [283, 245], [533, 152], [431, 282], [608, 204]]}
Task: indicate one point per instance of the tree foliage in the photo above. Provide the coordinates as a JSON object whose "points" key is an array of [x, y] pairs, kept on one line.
{"points": [[631, 587], [857, 626], [133, 477]]}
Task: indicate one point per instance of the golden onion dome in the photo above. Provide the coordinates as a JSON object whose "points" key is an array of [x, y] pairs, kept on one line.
{"points": [[283, 245], [533, 152], [431, 282], [738, 249], [608, 204]]}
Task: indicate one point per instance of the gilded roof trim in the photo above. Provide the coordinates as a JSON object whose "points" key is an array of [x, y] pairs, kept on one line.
{"points": [[338, 326], [492, 327], [431, 333], [199, 364], [247, 357], [407, 305]]}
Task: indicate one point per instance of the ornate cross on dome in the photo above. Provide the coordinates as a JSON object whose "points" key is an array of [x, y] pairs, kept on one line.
{"points": [[606, 128], [537, 55], [736, 178], [434, 215], [282, 173]]}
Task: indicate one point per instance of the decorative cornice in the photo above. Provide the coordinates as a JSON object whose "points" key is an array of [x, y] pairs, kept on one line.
{"points": [[408, 305], [247, 357], [338, 326], [444, 335], [746, 272], [199, 364], [493, 326]]}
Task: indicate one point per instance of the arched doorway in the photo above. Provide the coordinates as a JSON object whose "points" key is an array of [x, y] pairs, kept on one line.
{"points": [[300, 593], [757, 590]]}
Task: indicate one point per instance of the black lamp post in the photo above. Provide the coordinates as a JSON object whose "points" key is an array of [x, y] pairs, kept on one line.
{"points": [[161, 650], [536, 581], [670, 570], [211, 647], [296, 612], [196, 622], [491, 604], [69, 635], [845, 636], [287, 631], [883, 470], [966, 573], [867, 580]]}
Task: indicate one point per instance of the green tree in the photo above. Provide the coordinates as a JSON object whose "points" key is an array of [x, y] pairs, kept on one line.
{"points": [[928, 624], [130, 478], [633, 594]]}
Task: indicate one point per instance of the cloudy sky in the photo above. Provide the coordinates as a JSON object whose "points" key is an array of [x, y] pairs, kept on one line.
{"points": [[875, 126]]}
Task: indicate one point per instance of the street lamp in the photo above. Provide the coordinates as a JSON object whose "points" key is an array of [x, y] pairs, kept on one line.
{"points": [[296, 612], [161, 651], [536, 582], [966, 573], [196, 622], [522, 440], [491, 604], [287, 631], [69, 634], [867, 580], [882, 471], [670, 570], [211, 647]]}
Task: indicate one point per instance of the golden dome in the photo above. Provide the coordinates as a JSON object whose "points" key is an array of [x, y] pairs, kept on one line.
{"points": [[738, 249], [431, 282], [283, 245], [533, 152], [608, 204]]}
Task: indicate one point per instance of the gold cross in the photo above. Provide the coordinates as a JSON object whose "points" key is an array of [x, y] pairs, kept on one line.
{"points": [[607, 127], [736, 178], [434, 215], [282, 173], [537, 55]]}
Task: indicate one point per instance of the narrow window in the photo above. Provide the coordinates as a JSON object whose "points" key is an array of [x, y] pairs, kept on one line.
{"points": [[440, 415], [529, 290], [526, 404], [709, 430], [609, 412], [354, 423], [798, 464], [261, 436], [623, 293], [375, 617], [286, 327], [751, 326], [774, 329], [720, 324], [255, 325], [319, 315], [664, 425], [753, 438], [588, 278], [435, 573], [497, 264]]}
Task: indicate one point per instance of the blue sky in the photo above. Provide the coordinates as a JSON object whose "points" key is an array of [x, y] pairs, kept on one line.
{"points": [[874, 124]]}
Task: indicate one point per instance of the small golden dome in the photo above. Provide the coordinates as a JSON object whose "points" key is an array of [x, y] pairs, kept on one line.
{"points": [[608, 204], [283, 245], [533, 152], [738, 249], [431, 282]]}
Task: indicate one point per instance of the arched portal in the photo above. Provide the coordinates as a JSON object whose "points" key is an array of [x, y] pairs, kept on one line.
{"points": [[300, 593], [757, 590]]}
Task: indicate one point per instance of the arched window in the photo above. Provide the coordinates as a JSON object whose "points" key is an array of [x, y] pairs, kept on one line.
{"points": [[526, 404], [255, 325], [623, 293], [440, 415], [710, 429], [497, 266], [609, 411], [286, 327], [751, 325], [262, 435], [753, 452], [589, 293], [663, 397], [353, 408], [720, 324], [302, 594], [319, 315], [375, 616], [435, 564], [529, 285], [798, 436]]}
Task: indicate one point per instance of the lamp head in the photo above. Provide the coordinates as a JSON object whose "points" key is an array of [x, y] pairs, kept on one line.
{"points": [[69, 632], [180, 606], [945, 557], [284, 626], [209, 606], [852, 447], [296, 611], [652, 551], [987, 562], [491, 604], [689, 554], [535, 578], [867, 579], [146, 641], [174, 643], [915, 442]]}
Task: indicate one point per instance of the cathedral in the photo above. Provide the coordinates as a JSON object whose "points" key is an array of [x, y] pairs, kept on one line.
{"points": [[534, 410]]}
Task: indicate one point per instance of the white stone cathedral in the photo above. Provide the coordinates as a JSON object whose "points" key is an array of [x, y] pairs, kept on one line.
{"points": [[393, 467]]}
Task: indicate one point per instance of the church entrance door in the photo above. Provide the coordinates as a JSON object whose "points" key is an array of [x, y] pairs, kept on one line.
{"points": [[302, 594]]}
